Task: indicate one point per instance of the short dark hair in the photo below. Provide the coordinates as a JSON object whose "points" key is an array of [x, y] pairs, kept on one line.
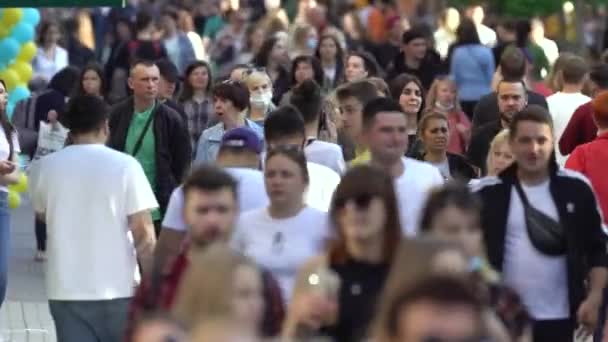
{"points": [[209, 178], [452, 194], [85, 114], [467, 32], [443, 290], [363, 90], [283, 122], [143, 19], [534, 113], [513, 63], [307, 98], [66, 80], [318, 74], [574, 70], [369, 63], [170, 12], [235, 92], [378, 105], [168, 70], [599, 75]]}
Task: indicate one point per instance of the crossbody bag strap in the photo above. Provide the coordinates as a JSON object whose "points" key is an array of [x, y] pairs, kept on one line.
{"points": [[140, 140], [522, 194]]}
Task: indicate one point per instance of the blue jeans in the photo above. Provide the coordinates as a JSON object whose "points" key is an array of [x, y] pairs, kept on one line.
{"points": [[5, 234], [90, 321]]}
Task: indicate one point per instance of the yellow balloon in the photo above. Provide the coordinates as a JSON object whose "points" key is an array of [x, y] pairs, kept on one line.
{"points": [[14, 200], [24, 70], [11, 16], [10, 77], [21, 185], [4, 32], [27, 52]]}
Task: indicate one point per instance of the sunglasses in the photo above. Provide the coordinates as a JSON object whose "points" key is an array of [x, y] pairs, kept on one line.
{"points": [[361, 201]]}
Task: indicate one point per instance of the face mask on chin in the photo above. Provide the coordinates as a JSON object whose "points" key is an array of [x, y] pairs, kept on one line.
{"points": [[443, 107]]}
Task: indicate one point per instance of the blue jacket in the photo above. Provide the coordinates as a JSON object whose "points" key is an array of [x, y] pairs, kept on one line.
{"points": [[209, 143], [472, 68]]}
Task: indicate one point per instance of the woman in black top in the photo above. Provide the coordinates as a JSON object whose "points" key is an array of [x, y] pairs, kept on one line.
{"points": [[365, 217], [434, 134], [331, 55], [273, 57]]}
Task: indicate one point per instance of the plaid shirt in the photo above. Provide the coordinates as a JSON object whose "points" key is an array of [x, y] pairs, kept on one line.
{"points": [[146, 301], [197, 115]]}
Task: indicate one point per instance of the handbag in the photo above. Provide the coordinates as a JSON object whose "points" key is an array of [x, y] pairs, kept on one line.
{"points": [[546, 234]]}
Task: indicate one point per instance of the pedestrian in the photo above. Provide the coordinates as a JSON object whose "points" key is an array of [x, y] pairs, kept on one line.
{"points": [[534, 197], [434, 135], [50, 56], [101, 214], [308, 99], [261, 91], [563, 103], [283, 236], [443, 98], [168, 84], [331, 55], [92, 81], [304, 68], [285, 126], [197, 100], [176, 42], [351, 98], [209, 206], [385, 131], [360, 65], [9, 174], [410, 100], [365, 220], [240, 156], [471, 66], [581, 128], [273, 56], [512, 98], [230, 102], [153, 133]]}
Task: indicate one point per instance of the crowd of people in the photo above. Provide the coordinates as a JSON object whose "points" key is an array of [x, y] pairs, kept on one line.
{"points": [[300, 171]]}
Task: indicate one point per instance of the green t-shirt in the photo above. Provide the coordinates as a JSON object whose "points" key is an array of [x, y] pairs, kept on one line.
{"points": [[213, 25], [146, 156]]}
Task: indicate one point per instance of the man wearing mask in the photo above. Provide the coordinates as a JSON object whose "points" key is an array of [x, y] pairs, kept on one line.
{"points": [[210, 211], [543, 233], [153, 133], [512, 98]]}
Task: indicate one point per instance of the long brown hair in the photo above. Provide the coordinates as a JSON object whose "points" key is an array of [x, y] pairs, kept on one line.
{"points": [[7, 126], [365, 179]]}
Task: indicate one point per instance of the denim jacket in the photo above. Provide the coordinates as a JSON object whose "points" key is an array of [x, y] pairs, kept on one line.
{"points": [[209, 143]]}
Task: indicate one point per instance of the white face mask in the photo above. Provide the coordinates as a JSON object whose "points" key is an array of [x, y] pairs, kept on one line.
{"points": [[443, 107], [261, 100]]}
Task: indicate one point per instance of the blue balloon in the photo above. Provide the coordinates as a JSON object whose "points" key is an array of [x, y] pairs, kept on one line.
{"points": [[31, 16], [23, 32], [18, 94], [9, 48]]}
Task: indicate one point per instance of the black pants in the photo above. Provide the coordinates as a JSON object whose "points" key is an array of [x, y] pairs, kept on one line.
{"points": [[40, 235], [468, 107], [560, 330]]}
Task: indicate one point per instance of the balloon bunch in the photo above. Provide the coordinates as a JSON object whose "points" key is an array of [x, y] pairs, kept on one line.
{"points": [[17, 49], [14, 199]]}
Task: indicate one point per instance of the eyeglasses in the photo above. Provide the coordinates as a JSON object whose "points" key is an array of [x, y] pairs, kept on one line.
{"points": [[362, 201]]}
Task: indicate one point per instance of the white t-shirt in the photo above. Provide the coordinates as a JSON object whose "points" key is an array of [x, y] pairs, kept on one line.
{"points": [[539, 279], [326, 154], [561, 107], [5, 150], [444, 168], [412, 189], [87, 193], [323, 183], [47, 68], [251, 194], [281, 246]]}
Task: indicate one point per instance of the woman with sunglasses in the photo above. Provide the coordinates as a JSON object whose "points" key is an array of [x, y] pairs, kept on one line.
{"points": [[281, 237], [366, 229], [434, 133]]}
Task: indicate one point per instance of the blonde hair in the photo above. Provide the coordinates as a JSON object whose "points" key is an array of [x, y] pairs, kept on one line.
{"points": [[206, 289], [501, 138], [431, 97], [256, 76]]}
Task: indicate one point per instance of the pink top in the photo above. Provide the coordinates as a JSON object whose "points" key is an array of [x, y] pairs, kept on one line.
{"points": [[460, 132]]}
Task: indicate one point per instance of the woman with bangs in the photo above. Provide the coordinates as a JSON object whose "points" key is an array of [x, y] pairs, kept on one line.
{"points": [[366, 228]]}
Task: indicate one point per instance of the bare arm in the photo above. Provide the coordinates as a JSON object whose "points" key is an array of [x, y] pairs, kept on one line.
{"points": [[168, 247], [13, 177], [144, 238]]}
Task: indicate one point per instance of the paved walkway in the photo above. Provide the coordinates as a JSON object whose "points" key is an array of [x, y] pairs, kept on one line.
{"points": [[24, 316]]}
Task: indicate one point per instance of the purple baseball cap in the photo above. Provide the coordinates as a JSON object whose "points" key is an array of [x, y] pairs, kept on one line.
{"points": [[242, 137]]}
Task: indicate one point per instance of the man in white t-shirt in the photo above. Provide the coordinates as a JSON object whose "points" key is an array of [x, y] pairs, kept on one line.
{"points": [[239, 155], [385, 131], [96, 202], [307, 98], [285, 126], [560, 279], [563, 103]]}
